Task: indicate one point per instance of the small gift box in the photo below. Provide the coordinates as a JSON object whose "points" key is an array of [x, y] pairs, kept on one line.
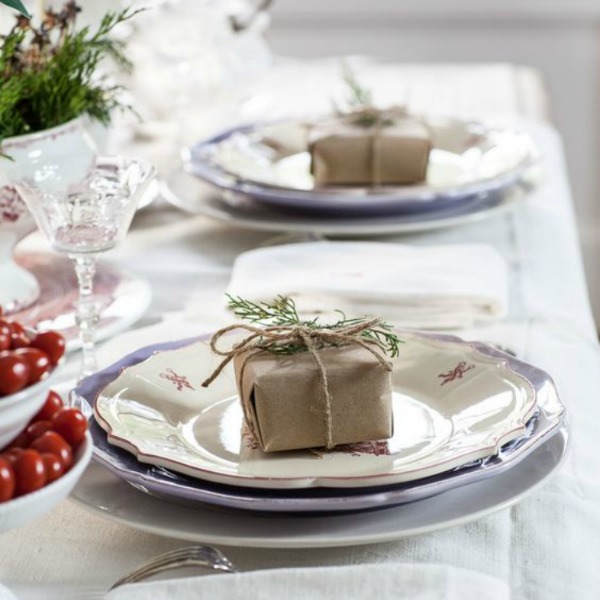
{"points": [[306, 385], [285, 406], [383, 150]]}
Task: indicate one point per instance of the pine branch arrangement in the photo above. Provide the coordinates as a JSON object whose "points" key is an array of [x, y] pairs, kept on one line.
{"points": [[282, 312], [49, 74]]}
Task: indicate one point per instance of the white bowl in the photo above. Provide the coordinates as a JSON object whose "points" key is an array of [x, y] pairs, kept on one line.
{"points": [[20, 511], [17, 409]]}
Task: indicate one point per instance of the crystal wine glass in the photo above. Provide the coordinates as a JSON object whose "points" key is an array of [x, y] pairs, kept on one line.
{"points": [[84, 205]]}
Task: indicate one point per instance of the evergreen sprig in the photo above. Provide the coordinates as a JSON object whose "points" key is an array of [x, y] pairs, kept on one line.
{"points": [[282, 312], [359, 104], [49, 74]]}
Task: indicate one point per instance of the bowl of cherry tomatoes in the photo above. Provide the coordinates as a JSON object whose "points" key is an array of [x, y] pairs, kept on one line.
{"points": [[42, 465], [30, 363]]}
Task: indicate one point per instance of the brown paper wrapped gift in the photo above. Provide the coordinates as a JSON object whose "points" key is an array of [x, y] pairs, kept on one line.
{"points": [[284, 403], [387, 152]]}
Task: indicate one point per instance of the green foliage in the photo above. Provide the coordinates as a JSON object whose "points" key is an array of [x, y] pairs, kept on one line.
{"points": [[17, 5], [49, 75], [282, 312]]}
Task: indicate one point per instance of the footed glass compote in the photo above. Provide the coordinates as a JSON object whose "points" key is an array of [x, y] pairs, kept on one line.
{"points": [[84, 205]]}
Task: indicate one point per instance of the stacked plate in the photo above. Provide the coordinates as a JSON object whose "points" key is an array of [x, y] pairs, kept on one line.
{"points": [[262, 175], [466, 416]]}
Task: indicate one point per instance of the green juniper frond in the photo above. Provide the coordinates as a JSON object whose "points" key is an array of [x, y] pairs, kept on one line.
{"points": [[282, 311], [360, 97], [49, 75]]}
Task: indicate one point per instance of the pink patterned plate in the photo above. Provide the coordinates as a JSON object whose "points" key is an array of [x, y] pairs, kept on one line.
{"points": [[453, 401], [123, 297]]}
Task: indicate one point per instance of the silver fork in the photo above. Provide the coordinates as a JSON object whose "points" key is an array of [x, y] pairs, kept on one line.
{"points": [[199, 556]]}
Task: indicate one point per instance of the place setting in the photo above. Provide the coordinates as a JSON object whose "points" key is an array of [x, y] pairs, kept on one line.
{"points": [[330, 175]]}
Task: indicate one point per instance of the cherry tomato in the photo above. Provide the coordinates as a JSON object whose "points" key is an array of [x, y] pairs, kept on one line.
{"points": [[16, 327], [21, 441], [5, 328], [52, 405], [71, 424], [53, 466], [7, 480], [14, 373], [55, 444], [18, 340], [38, 361], [30, 474], [4, 342], [12, 454], [36, 429], [52, 343]]}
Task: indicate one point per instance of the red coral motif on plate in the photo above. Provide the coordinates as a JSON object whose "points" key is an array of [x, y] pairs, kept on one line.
{"points": [[375, 448], [11, 205], [457, 373], [180, 381]]}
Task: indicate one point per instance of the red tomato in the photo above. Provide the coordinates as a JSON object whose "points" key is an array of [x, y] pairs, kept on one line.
{"points": [[7, 480], [18, 340], [16, 327], [71, 424], [30, 474], [11, 454], [21, 441], [4, 342], [52, 343], [53, 466], [38, 361], [36, 429], [5, 327], [55, 444], [52, 405], [14, 373]]}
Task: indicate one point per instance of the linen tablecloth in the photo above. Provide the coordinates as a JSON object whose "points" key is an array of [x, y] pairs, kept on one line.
{"points": [[546, 547]]}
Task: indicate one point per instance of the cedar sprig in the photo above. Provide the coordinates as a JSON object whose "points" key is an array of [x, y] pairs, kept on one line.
{"points": [[49, 73], [282, 311], [360, 108]]}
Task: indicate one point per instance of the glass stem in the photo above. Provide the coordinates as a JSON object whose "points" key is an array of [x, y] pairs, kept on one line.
{"points": [[87, 313]]}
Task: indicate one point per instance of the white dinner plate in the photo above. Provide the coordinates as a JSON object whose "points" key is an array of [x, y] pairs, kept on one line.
{"points": [[108, 496], [453, 401], [194, 196], [271, 164]]}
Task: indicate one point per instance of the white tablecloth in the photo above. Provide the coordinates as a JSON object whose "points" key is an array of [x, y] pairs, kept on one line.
{"points": [[546, 547]]}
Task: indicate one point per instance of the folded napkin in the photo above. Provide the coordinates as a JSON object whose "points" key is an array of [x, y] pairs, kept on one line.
{"points": [[427, 287], [379, 582]]}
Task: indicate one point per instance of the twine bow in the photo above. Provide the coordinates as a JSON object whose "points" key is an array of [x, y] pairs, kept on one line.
{"points": [[277, 336]]}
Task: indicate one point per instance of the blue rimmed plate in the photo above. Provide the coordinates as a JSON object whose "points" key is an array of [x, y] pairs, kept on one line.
{"points": [[270, 164]]}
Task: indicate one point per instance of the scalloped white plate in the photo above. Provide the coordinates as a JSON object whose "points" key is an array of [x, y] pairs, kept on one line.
{"points": [[453, 401]]}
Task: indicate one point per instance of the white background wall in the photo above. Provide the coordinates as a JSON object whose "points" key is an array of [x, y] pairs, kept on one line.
{"points": [[560, 38]]}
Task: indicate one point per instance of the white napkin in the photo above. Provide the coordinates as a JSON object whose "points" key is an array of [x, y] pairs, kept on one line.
{"points": [[428, 287], [359, 582]]}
